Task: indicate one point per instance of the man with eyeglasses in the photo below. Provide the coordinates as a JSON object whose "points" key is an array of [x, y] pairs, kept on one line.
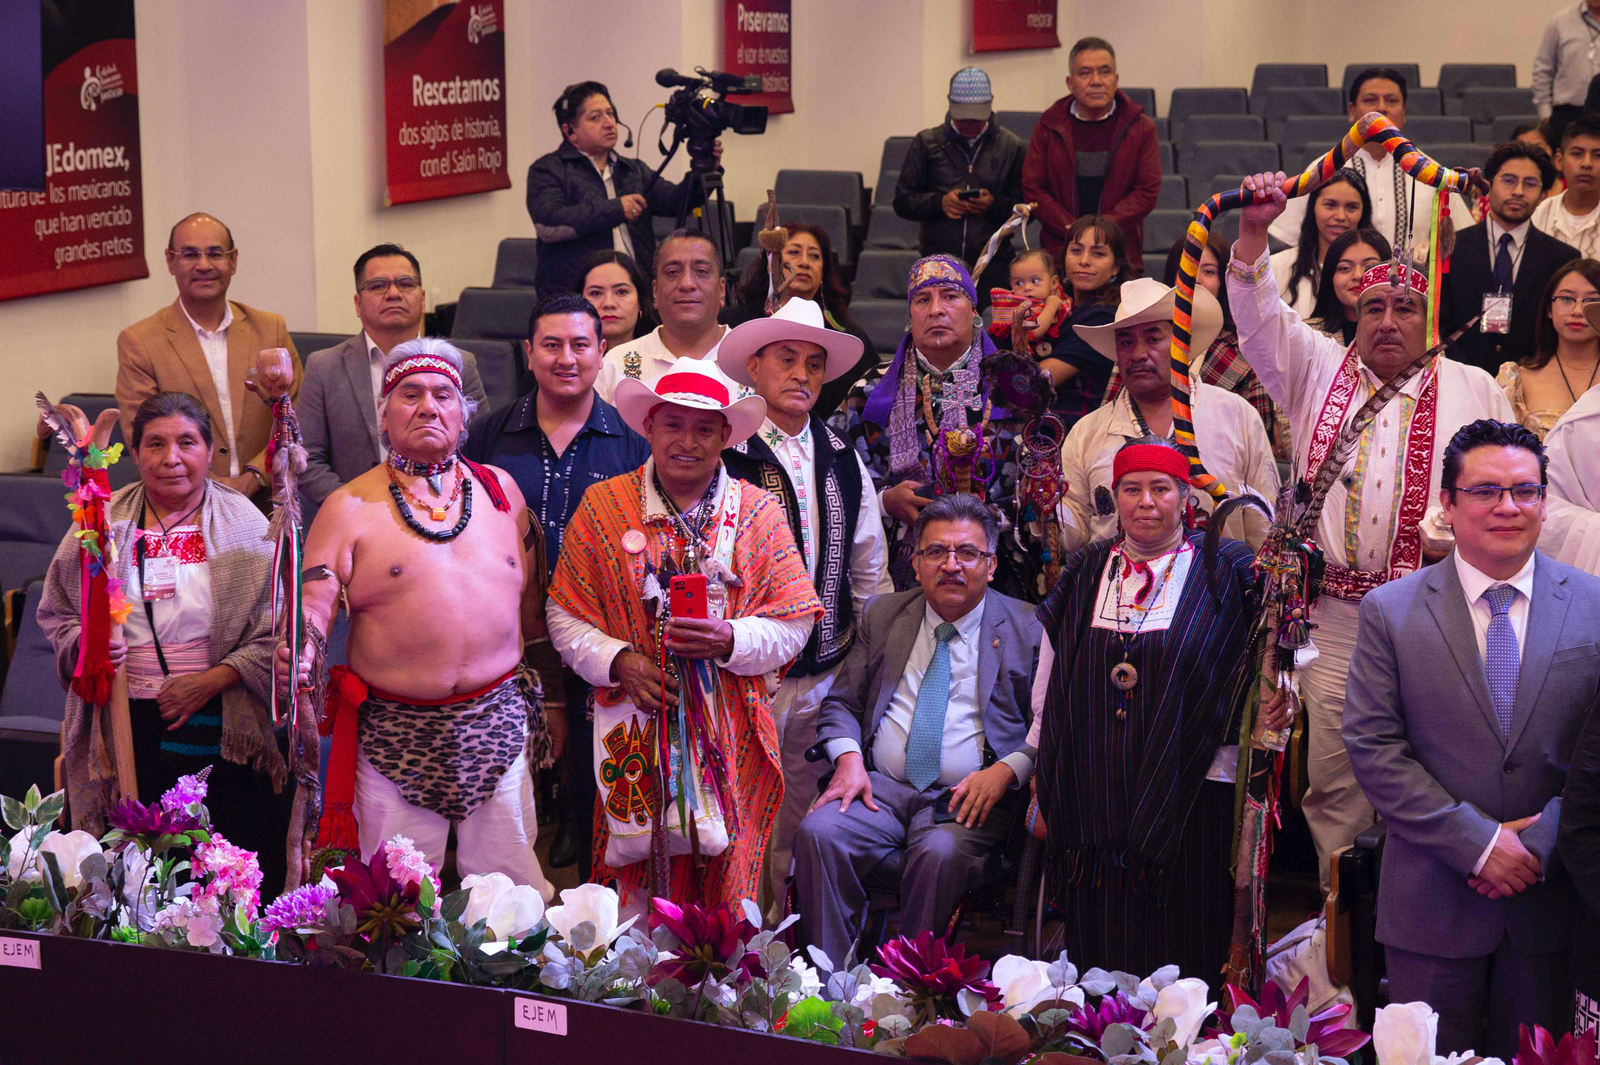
{"points": [[338, 405], [1468, 687], [1502, 265], [204, 344], [926, 725], [1375, 523]]}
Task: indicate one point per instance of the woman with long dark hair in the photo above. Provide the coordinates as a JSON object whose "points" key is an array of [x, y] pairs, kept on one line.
{"points": [[1350, 256], [813, 274], [1544, 382], [1093, 269], [612, 281], [1338, 206]]}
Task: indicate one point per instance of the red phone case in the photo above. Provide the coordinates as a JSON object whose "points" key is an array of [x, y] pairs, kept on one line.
{"points": [[687, 596]]}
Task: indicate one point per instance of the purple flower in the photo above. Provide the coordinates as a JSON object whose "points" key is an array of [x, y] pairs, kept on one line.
{"points": [[137, 819], [707, 937], [930, 967], [304, 907], [1326, 1030], [384, 906], [1092, 1022], [188, 791]]}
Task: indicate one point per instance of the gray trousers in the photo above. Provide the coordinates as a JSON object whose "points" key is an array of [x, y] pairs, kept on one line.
{"points": [[1482, 1001], [834, 853]]}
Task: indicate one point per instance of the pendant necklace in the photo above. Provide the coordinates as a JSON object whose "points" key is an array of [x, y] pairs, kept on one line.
{"points": [[463, 492], [1124, 675], [433, 471]]}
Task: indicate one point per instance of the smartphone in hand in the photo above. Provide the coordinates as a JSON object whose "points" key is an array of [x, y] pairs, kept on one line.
{"points": [[686, 597]]}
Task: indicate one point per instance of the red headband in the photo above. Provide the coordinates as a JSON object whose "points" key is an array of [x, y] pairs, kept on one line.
{"points": [[420, 364], [1382, 274], [1150, 458]]}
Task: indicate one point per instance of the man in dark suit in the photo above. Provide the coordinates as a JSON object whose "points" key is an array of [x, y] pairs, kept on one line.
{"points": [[1503, 256], [926, 726], [337, 407], [1469, 684]]}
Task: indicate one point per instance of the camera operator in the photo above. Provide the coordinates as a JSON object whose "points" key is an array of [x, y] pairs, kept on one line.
{"points": [[961, 180], [584, 197]]}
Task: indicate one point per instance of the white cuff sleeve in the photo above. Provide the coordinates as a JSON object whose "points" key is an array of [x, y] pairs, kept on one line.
{"points": [[585, 650], [761, 645], [1021, 765], [1477, 869], [835, 748]]}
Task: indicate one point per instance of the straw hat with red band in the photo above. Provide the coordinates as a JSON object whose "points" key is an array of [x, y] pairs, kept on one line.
{"points": [[695, 385], [1147, 300], [1150, 458], [419, 364], [1396, 274]]}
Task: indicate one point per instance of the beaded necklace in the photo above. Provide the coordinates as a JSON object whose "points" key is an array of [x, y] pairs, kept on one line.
{"points": [[463, 490], [691, 525], [433, 471]]}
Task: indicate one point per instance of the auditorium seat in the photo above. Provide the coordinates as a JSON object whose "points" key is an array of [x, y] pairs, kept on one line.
{"points": [[1145, 98], [1501, 129], [1211, 158], [515, 262], [1278, 105], [1271, 76], [884, 321], [306, 343], [1410, 71], [1424, 102], [1204, 101], [1305, 137], [1019, 122], [1168, 164], [663, 225], [1197, 128], [493, 313], [881, 275], [843, 188], [1424, 130], [883, 192], [32, 703], [831, 217], [1225, 225], [1457, 78], [1162, 228], [1487, 104], [887, 230], [894, 152], [1464, 155], [1174, 191], [33, 522], [1163, 128]]}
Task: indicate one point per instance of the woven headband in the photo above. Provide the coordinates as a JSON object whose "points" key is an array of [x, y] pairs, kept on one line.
{"points": [[420, 364], [1396, 274], [1150, 458]]}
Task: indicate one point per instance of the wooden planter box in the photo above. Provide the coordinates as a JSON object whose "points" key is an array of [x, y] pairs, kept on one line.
{"points": [[97, 1002]]}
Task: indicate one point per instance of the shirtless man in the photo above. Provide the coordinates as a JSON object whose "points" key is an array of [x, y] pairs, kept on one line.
{"points": [[432, 716]]}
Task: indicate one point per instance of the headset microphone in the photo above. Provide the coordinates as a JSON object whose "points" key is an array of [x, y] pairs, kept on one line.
{"points": [[629, 142]]}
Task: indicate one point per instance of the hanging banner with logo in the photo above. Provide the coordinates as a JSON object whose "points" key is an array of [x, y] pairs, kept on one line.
{"points": [[1013, 25], [444, 105], [755, 40], [87, 227]]}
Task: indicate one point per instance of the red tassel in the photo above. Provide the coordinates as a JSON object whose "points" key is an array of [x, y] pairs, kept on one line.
{"points": [[338, 829]]}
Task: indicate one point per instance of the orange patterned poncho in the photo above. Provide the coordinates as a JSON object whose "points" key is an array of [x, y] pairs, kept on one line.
{"points": [[598, 582]]}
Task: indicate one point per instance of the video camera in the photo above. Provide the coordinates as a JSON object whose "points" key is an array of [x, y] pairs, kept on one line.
{"points": [[702, 112]]}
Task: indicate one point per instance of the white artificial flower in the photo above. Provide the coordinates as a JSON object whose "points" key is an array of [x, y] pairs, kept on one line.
{"points": [[1209, 1052], [594, 903], [1463, 1057], [1024, 984], [810, 982], [1185, 1002], [1404, 1033], [70, 849], [509, 908], [19, 850]]}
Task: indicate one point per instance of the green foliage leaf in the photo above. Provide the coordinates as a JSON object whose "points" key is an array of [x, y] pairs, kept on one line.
{"points": [[31, 800], [813, 1019], [455, 904], [55, 888]]}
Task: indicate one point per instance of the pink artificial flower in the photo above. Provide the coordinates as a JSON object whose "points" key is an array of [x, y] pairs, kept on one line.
{"points": [[235, 874], [407, 865]]}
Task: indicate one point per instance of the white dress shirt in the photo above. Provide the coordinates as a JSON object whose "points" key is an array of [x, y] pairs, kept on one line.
{"points": [[1566, 60], [1474, 583], [1232, 442], [1582, 231], [621, 240], [1571, 532], [760, 645], [214, 343], [1519, 242], [1298, 365], [1304, 298], [1380, 177], [654, 361], [962, 750]]}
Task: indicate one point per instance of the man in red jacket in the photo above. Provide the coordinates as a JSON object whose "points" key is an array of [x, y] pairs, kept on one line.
{"points": [[1093, 152]]}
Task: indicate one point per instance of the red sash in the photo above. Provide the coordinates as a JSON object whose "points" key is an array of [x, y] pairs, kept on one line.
{"points": [[1405, 554]]}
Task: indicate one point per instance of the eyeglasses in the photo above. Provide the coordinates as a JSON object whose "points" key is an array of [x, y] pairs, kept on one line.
{"points": [[1566, 303], [1487, 496], [377, 286], [966, 554], [1509, 183], [194, 255]]}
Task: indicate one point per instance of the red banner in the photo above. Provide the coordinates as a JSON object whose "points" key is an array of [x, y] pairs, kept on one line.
{"points": [[444, 76], [1012, 25], [87, 227], [755, 40]]}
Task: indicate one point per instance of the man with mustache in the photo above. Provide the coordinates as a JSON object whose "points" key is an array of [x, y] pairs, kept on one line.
{"points": [[1232, 440], [689, 292], [681, 597], [1502, 265], [1376, 513], [833, 512]]}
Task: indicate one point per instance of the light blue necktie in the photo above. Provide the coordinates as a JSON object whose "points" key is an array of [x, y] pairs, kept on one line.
{"points": [[1502, 662], [926, 740]]}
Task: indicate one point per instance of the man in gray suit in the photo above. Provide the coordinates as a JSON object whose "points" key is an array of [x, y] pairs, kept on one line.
{"points": [[926, 726], [337, 406], [1469, 684]]}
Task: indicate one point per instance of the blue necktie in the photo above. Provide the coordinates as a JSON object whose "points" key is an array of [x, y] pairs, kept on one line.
{"points": [[925, 742], [1501, 660], [1502, 265]]}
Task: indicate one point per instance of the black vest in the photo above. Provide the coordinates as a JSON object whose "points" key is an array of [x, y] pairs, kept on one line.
{"points": [[836, 491]]}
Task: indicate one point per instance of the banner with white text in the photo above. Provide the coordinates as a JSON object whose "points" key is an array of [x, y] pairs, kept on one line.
{"points": [[1012, 25], [87, 227], [444, 76], [755, 40]]}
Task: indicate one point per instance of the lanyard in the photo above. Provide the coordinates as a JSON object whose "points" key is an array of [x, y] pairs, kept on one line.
{"points": [[139, 553], [1516, 249]]}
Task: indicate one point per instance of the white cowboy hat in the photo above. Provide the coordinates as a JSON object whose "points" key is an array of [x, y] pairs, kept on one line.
{"points": [[796, 320], [1148, 300], [694, 384]]}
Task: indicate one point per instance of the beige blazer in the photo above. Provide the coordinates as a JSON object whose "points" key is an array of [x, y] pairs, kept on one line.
{"points": [[162, 354]]}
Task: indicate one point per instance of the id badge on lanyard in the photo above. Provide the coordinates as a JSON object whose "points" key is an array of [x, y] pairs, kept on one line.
{"points": [[1496, 313], [158, 577]]}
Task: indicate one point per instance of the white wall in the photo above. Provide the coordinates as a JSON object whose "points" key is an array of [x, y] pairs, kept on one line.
{"points": [[271, 116]]}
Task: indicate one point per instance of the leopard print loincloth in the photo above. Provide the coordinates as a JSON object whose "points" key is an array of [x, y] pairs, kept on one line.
{"points": [[449, 759]]}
